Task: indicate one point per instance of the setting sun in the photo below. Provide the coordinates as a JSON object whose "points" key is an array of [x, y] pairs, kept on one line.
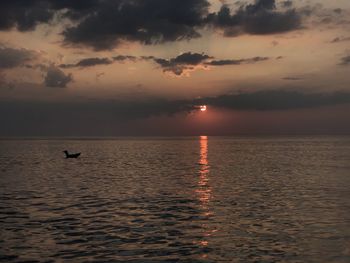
{"points": [[203, 108]]}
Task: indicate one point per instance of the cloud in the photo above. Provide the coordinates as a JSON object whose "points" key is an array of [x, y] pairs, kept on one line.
{"points": [[287, 3], [88, 62], [181, 63], [338, 10], [122, 58], [103, 25], [191, 61], [260, 18], [25, 15], [271, 100], [292, 78], [226, 62], [74, 117], [11, 57], [148, 22], [56, 78], [178, 65], [345, 61], [340, 39], [324, 17], [100, 111]]}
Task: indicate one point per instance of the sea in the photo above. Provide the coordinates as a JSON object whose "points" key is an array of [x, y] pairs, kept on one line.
{"points": [[175, 199]]}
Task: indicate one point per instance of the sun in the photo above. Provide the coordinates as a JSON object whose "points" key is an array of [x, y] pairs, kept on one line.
{"points": [[203, 108]]}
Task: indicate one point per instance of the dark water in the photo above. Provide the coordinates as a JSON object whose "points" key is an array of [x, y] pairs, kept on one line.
{"points": [[176, 200]]}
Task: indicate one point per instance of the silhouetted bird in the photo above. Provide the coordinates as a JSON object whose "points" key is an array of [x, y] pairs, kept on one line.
{"points": [[71, 155]]}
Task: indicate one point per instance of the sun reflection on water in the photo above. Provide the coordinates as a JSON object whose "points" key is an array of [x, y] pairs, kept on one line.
{"points": [[204, 191]]}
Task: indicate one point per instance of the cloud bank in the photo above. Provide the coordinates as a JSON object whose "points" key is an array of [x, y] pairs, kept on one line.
{"points": [[178, 65], [11, 57], [260, 18], [104, 24]]}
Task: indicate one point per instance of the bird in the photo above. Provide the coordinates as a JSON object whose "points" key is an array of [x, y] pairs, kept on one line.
{"points": [[71, 155]]}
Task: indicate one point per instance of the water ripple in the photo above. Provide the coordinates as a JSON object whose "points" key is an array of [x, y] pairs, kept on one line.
{"points": [[190, 200]]}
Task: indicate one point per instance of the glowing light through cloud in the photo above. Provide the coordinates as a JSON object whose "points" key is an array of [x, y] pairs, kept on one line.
{"points": [[203, 108]]}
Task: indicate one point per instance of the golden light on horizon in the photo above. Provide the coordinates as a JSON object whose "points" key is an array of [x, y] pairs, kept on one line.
{"points": [[203, 108]]}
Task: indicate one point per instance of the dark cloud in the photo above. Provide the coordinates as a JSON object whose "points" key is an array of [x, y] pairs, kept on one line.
{"points": [[275, 100], [183, 59], [189, 58], [56, 78], [259, 18], [340, 39], [345, 61], [11, 57], [226, 62], [94, 110], [179, 64], [88, 62], [189, 61], [108, 116], [100, 112], [270, 100], [75, 9], [292, 78], [338, 10], [148, 22], [104, 24], [25, 15], [122, 58]]}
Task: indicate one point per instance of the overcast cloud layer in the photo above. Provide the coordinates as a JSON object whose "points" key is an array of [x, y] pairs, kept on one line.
{"points": [[104, 24]]}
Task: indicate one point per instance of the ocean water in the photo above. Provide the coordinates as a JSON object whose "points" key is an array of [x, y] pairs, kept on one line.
{"points": [[190, 199]]}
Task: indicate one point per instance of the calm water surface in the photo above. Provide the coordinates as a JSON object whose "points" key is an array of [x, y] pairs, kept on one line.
{"points": [[197, 199]]}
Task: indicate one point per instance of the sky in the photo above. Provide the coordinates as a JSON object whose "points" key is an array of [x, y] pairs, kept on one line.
{"points": [[144, 67]]}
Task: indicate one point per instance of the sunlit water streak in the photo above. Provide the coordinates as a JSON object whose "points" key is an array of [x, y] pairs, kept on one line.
{"points": [[206, 199]]}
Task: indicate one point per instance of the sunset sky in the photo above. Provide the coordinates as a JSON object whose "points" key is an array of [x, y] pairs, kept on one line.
{"points": [[143, 67]]}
